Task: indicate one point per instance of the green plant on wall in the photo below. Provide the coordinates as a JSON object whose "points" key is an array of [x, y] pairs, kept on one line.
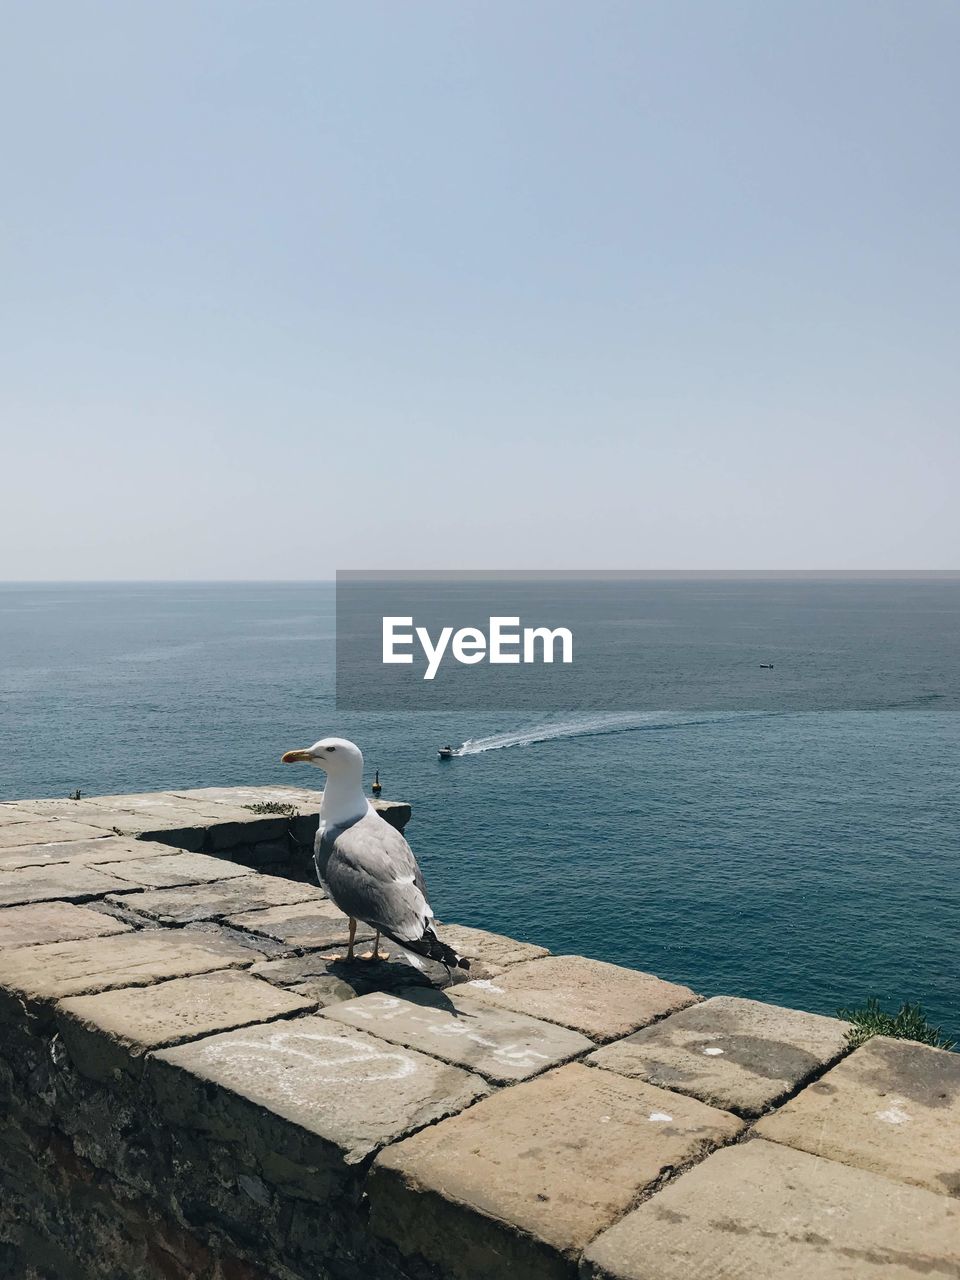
{"points": [[908, 1023]]}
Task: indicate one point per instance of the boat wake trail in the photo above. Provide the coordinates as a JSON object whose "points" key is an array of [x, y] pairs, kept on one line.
{"points": [[593, 726]]}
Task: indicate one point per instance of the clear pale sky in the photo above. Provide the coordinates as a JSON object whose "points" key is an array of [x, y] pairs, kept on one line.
{"points": [[290, 287]]}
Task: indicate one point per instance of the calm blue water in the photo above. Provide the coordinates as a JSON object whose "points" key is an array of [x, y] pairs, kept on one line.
{"points": [[810, 859]]}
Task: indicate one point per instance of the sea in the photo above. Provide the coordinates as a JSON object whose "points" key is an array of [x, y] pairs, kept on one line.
{"points": [[809, 858]]}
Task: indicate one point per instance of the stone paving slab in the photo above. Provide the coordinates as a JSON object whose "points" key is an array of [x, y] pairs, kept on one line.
{"points": [[301, 797], [495, 1043], [110, 1032], [236, 827], [11, 813], [60, 969], [95, 851], [164, 871], [308, 801], [151, 802], [307, 925], [344, 1087], [892, 1106], [224, 898], [41, 922], [191, 825], [492, 950], [163, 810], [188, 828], [762, 1210], [61, 880], [601, 1000], [740, 1055], [517, 1185], [97, 808], [45, 831]]}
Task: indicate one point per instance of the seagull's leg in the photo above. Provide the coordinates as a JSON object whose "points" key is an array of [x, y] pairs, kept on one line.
{"points": [[376, 953], [352, 935]]}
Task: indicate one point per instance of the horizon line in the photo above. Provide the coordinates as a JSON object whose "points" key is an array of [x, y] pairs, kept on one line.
{"points": [[388, 574]]}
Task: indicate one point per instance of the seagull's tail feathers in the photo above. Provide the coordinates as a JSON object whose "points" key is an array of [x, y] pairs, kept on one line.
{"points": [[430, 946]]}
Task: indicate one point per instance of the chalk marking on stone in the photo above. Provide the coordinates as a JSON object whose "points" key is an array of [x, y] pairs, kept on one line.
{"points": [[660, 1117], [388, 1007], [441, 1028], [712, 1051], [484, 984], [281, 1044], [512, 1053], [894, 1114], [520, 1055]]}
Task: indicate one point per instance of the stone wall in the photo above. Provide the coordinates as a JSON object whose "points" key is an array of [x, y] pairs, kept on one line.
{"points": [[192, 1087]]}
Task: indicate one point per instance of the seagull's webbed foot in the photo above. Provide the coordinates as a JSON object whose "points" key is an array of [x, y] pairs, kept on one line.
{"points": [[348, 957], [376, 953]]}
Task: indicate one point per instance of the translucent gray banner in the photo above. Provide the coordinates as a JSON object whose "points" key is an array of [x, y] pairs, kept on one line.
{"points": [[440, 641]]}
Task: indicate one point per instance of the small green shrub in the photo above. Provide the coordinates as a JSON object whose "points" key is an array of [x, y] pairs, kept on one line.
{"points": [[908, 1023], [274, 806]]}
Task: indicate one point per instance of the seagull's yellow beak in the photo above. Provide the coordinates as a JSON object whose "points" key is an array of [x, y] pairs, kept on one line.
{"points": [[295, 757]]}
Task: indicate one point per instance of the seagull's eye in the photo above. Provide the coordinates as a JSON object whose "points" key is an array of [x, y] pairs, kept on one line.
{"points": [[331, 748]]}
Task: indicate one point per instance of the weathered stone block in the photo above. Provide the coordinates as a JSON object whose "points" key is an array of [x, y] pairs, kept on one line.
{"points": [[42, 922], [517, 1185], [173, 868], [601, 1000], [60, 969], [11, 813], [301, 797], [45, 831], [268, 854], [61, 880], [491, 950], [184, 836], [134, 816], [100, 849], [129, 802], [111, 1031], [737, 1054], [500, 1045], [224, 898], [244, 828], [312, 924], [763, 1210], [349, 1090], [56, 807], [892, 1106]]}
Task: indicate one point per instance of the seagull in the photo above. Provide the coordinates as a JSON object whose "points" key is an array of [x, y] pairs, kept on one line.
{"points": [[363, 864]]}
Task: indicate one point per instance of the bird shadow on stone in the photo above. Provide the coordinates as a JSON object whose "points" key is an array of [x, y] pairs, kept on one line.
{"points": [[317, 976], [393, 974]]}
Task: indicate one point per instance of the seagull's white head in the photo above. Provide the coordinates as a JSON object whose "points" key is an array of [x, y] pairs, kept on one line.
{"points": [[338, 757]]}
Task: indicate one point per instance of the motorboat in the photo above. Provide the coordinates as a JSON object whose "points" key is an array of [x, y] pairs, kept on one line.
{"points": [[445, 753]]}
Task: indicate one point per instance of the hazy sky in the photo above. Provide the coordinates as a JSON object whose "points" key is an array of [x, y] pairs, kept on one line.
{"points": [[290, 287]]}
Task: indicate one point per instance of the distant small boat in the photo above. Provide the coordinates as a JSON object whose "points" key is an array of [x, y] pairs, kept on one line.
{"points": [[766, 666], [445, 753]]}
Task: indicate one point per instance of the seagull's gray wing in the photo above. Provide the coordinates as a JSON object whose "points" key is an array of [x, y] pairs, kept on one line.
{"points": [[371, 874]]}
